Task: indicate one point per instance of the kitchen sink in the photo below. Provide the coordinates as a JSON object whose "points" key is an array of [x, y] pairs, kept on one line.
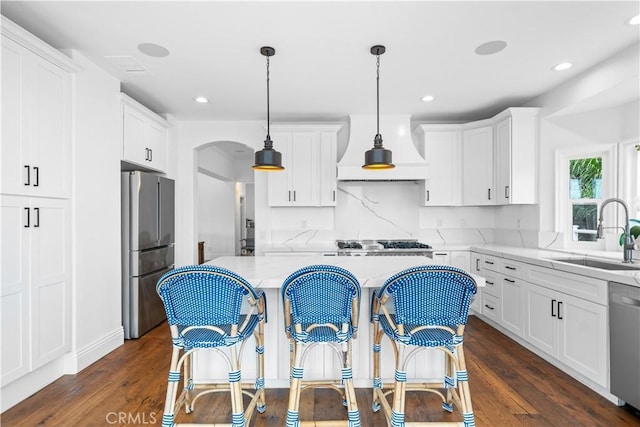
{"points": [[596, 263]]}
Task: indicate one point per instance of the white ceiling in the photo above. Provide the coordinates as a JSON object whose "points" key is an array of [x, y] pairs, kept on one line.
{"points": [[323, 69]]}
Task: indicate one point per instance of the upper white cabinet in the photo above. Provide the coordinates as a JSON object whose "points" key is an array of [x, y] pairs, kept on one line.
{"points": [[36, 117], [144, 136], [516, 136], [477, 166], [309, 158], [441, 149]]}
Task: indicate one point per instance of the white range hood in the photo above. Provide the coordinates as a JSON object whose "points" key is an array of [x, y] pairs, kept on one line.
{"points": [[396, 136]]}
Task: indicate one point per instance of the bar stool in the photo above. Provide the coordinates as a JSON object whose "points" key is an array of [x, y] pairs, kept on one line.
{"points": [[321, 306], [420, 308], [212, 308]]}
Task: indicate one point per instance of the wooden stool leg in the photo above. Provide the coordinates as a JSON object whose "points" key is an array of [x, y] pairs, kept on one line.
{"points": [[237, 411], [397, 413], [297, 372], [261, 404], [172, 388]]}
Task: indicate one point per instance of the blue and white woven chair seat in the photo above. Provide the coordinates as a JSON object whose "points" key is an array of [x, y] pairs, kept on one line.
{"points": [[321, 306], [420, 308], [201, 337], [210, 307]]}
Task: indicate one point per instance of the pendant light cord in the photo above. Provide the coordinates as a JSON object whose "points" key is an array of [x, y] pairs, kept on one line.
{"points": [[268, 141], [378, 94]]}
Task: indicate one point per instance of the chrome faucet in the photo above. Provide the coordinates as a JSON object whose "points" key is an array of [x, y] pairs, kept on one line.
{"points": [[628, 241]]}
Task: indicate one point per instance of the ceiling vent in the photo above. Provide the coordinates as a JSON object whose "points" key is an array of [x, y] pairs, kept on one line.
{"points": [[126, 63]]}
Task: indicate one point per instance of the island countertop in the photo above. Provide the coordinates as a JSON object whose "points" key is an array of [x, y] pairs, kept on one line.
{"points": [[371, 271]]}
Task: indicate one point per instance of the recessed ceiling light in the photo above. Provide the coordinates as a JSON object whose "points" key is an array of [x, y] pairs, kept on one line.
{"points": [[563, 66], [634, 21], [428, 98], [490, 48], [153, 49], [201, 99]]}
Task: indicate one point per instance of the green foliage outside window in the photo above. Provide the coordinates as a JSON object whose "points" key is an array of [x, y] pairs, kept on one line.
{"points": [[586, 174]]}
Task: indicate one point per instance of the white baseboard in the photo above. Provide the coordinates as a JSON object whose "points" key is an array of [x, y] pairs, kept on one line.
{"points": [[18, 390], [76, 361]]}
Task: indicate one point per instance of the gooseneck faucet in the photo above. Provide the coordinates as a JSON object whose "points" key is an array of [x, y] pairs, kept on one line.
{"points": [[628, 241]]}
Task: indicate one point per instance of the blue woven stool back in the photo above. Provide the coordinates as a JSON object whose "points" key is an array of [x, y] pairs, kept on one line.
{"points": [[197, 295], [321, 294], [431, 295]]}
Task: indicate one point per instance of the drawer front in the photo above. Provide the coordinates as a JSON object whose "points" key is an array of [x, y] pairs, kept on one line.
{"points": [[491, 307], [588, 288], [512, 268], [490, 262], [492, 284]]}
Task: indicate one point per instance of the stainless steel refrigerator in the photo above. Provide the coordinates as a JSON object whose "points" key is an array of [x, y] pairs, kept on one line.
{"points": [[148, 230]]}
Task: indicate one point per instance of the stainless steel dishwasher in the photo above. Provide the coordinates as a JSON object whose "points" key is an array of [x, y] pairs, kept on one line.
{"points": [[624, 328]]}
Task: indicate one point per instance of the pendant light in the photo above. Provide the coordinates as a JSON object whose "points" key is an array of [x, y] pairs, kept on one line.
{"points": [[378, 157], [268, 159]]}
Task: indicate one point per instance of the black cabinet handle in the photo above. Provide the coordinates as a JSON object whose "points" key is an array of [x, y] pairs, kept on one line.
{"points": [[427, 195], [489, 283], [559, 315], [489, 262], [508, 267], [27, 222], [28, 168], [509, 280], [37, 213], [489, 307], [294, 195], [150, 154], [36, 169], [289, 195], [506, 191], [477, 264], [489, 193], [334, 195], [553, 303]]}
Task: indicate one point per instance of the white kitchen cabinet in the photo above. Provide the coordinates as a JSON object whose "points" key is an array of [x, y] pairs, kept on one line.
{"points": [[35, 283], [144, 136], [441, 148], [309, 156], [34, 205], [570, 329], [36, 116], [475, 268], [477, 166], [458, 259], [516, 136], [512, 297]]}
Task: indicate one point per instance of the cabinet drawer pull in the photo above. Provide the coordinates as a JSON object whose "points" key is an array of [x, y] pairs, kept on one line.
{"points": [[489, 193], [36, 211], [553, 303], [427, 195], [489, 262], [150, 154], [508, 267], [28, 219], [506, 191], [509, 280], [559, 306], [477, 264], [334, 195], [36, 169], [489, 283], [28, 180], [489, 307], [294, 195], [289, 195]]}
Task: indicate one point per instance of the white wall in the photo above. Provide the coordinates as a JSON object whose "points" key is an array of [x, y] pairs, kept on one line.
{"points": [[216, 213], [97, 149]]}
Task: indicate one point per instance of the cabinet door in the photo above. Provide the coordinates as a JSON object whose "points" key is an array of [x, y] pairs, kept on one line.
{"points": [[328, 172], [442, 152], [14, 288], [583, 332], [156, 141], [280, 193], [304, 169], [15, 142], [134, 148], [477, 163], [461, 260], [50, 267], [541, 317], [512, 314], [503, 161], [50, 132]]}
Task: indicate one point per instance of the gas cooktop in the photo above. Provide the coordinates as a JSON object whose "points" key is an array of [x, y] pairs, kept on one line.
{"points": [[382, 247]]}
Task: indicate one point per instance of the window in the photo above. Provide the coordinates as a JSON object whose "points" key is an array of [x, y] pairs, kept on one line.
{"points": [[585, 194], [586, 177]]}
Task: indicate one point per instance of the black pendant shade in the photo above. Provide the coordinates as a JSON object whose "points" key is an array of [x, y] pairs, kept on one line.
{"points": [[268, 159], [378, 157]]}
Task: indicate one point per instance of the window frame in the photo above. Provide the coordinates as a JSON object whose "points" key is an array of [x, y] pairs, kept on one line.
{"points": [[564, 205]]}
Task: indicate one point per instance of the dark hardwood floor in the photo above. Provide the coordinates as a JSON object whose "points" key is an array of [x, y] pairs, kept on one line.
{"points": [[510, 386]]}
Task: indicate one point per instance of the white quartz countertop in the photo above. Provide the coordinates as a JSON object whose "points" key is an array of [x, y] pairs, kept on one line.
{"points": [[270, 271], [545, 258]]}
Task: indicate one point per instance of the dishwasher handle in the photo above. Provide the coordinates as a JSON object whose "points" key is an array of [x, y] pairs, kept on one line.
{"points": [[624, 300]]}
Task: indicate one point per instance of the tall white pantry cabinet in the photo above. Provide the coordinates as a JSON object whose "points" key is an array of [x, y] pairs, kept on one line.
{"points": [[35, 202]]}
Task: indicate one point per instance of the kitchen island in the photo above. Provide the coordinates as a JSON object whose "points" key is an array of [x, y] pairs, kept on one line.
{"points": [[268, 273]]}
